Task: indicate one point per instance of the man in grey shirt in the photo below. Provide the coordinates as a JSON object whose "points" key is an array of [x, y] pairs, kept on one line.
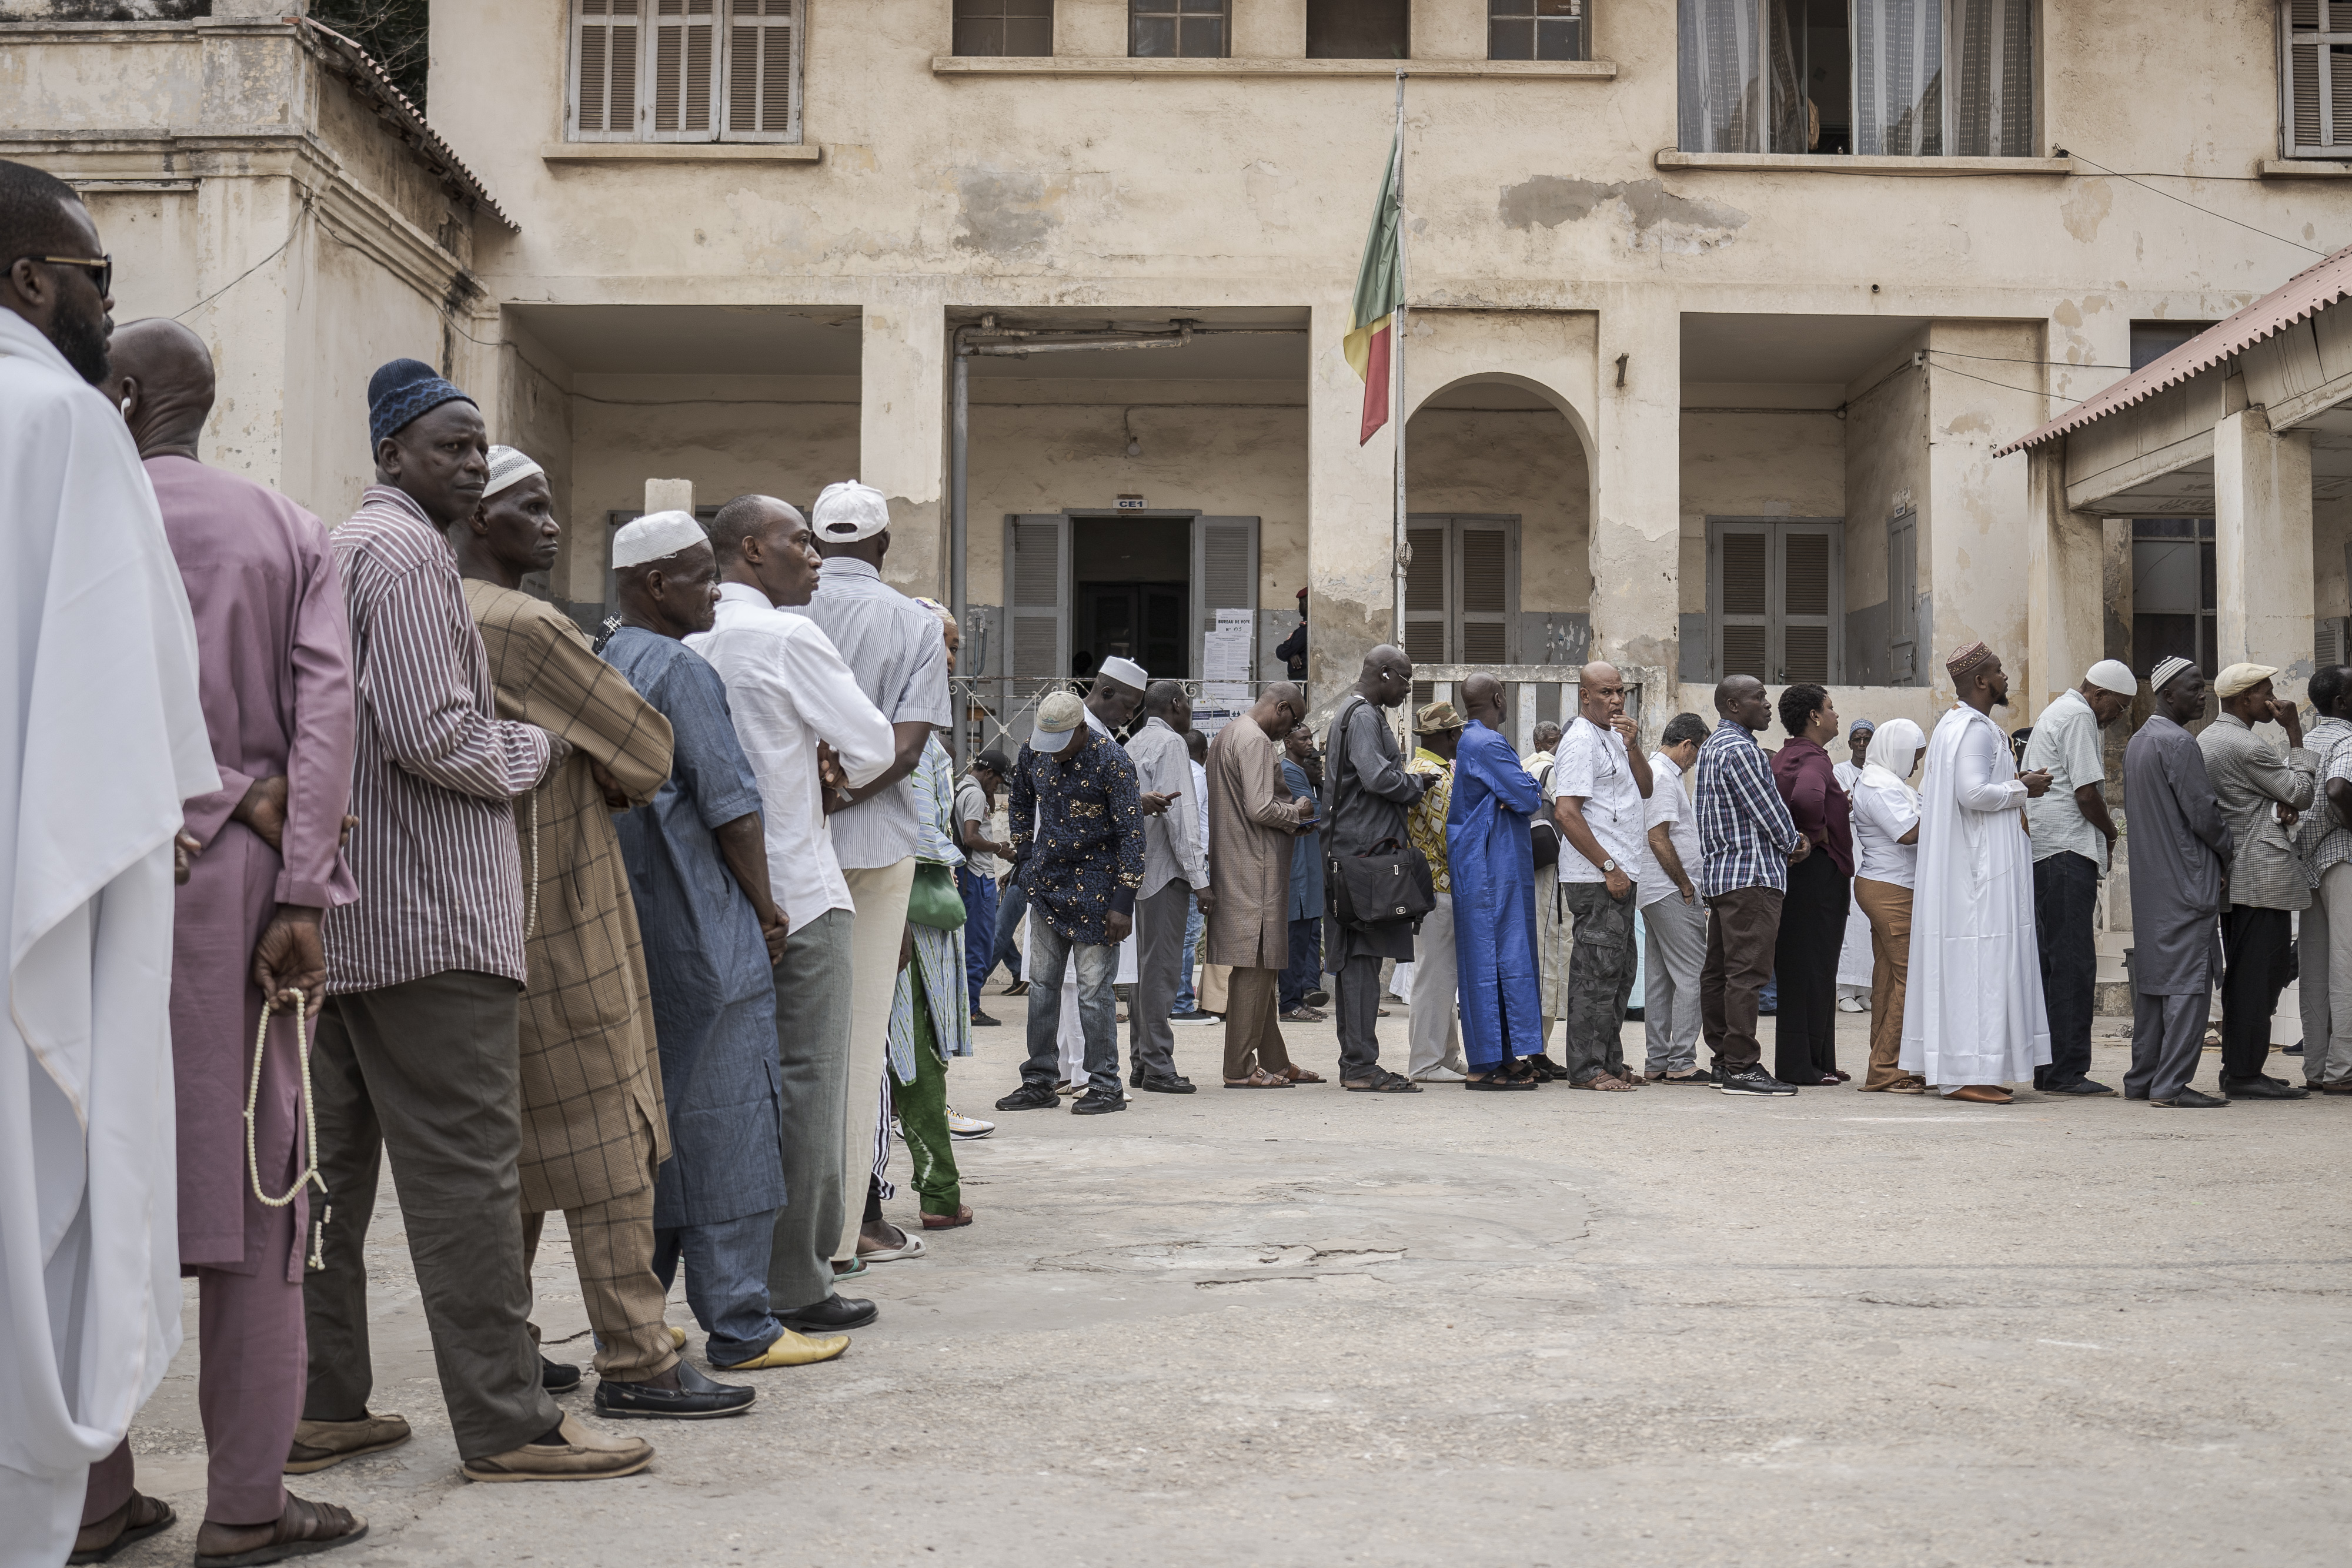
{"points": [[2261, 795], [1175, 865], [894, 648], [1368, 792], [2180, 853], [2324, 844], [2073, 836]]}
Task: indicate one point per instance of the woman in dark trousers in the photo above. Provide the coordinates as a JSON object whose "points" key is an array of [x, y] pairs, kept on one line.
{"points": [[1812, 916]]}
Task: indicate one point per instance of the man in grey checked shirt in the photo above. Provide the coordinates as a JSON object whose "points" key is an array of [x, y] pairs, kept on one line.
{"points": [[2324, 844]]}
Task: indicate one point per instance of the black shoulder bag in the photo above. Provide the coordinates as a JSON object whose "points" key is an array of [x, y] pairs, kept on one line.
{"points": [[1544, 832], [1389, 882]]}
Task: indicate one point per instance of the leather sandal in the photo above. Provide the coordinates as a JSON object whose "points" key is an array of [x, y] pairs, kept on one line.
{"points": [[961, 1217], [302, 1528], [139, 1517], [1259, 1078], [1301, 1075]]}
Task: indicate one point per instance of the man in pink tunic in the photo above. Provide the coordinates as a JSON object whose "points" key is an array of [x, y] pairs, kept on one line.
{"points": [[275, 676]]}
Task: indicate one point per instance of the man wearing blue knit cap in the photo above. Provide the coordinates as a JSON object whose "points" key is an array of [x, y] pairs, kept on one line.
{"points": [[417, 1040]]}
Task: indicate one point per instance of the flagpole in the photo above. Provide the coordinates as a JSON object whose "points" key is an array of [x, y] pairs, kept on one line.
{"points": [[1396, 367]]}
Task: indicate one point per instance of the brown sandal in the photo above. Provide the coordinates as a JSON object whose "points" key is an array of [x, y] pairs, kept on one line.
{"points": [[1604, 1082], [1301, 1075], [1260, 1079], [142, 1517], [304, 1528]]}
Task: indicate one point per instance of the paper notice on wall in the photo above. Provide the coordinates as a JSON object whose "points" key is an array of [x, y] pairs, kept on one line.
{"points": [[1225, 650]]}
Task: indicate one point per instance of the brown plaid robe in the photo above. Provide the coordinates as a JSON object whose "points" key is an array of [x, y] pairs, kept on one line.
{"points": [[594, 1123]]}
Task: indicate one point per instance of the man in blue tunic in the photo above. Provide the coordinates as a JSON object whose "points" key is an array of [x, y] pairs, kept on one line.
{"points": [[1491, 858], [698, 870]]}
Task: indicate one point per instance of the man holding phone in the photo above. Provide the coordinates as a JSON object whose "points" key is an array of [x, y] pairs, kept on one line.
{"points": [[1175, 863], [1599, 783]]}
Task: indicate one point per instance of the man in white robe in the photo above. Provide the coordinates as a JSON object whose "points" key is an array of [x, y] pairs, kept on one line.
{"points": [[104, 741], [1972, 1019]]}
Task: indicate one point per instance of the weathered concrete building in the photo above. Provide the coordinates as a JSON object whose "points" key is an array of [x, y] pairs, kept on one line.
{"points": [[1722, 312]]}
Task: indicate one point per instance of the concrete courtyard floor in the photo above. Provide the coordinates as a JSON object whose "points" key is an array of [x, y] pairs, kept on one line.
{"points": [[1303, 1326]]}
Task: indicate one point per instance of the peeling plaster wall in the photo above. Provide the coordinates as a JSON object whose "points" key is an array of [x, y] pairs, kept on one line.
{"points": [[1526, 464], [2331, 531], [1887, 456]]}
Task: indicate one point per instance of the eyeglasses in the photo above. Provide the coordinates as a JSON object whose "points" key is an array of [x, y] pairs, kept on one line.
{"points": [[99, 268]]}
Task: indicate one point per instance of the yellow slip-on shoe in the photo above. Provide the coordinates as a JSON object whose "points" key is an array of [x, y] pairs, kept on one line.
{"points": [[792, 1349], [677, 1338]]}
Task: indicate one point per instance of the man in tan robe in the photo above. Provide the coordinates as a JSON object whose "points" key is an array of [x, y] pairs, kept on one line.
{"points": [[595, 1128], [1253, 822]]}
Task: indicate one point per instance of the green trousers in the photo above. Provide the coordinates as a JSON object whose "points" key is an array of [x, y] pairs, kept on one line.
{"points": [[922, 1108]]}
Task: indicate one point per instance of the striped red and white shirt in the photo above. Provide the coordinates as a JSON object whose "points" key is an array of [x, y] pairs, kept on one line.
{"points": [[434, 771]]}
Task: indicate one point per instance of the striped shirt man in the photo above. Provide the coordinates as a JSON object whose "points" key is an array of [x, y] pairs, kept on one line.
{"points": [[1744, 833], [435, 770]]}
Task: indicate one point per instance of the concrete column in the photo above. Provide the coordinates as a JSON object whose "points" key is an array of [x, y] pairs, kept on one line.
{"points": [[1637, 499], [268, 395], [1350, 513], [2261, 536], [902, 437], [2066, 576], [1976, 510], [1268, 30]]}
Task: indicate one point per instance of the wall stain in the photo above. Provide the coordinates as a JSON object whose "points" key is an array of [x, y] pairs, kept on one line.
{"points": [[1003, 211], [2086, 208], [1551, 200]]}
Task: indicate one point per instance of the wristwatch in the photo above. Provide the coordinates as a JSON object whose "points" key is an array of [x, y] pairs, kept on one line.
{"points": [[1607, 865]]}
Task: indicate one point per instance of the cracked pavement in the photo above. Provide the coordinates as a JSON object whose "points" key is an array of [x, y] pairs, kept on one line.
{"points": [[1302, 1326]]}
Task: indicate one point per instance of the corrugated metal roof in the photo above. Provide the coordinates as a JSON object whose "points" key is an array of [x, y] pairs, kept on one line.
{"points": [[403, 118], [2313, 289]]}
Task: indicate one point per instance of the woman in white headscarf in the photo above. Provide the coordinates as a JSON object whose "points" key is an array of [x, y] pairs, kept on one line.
{"points": [[1885, 856]]}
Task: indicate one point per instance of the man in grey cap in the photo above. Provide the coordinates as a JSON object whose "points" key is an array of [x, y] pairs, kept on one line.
{"points": [[2073, 837], [892, 646], [1077, 853], [2261, 794]]}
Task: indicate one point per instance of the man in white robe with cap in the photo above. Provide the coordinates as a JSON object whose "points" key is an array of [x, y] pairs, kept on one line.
{"points": [[105, 739], [1972, 1018], [2073, 837]]}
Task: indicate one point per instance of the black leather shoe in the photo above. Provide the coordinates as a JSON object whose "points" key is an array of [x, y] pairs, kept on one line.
{"points": [[1135, 1076], [981, 1020], [2190, 1100], [1093, 1104], [831, 1315], [555, 1376], [1317, 998], [2262, 1089], [1546, 1070], [696, 1398], [2080, 1086], [1030, 1097], [1153, 1083]]}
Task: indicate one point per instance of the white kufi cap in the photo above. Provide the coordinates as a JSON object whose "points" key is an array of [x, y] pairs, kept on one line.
{"points": [[655, 534], [2115, 675], [1125, 672], [507, 467], [848, 511]]}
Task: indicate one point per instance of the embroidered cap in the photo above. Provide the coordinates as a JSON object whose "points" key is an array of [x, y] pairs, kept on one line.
{"points": [[1057, 716]]}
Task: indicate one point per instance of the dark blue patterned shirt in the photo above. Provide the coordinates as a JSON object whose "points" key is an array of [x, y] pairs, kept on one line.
{"points": [[1077, 836], [1744, 833]]}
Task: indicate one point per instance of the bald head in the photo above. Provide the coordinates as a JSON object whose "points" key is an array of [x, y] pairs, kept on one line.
{"points": [[1482, 700], [1387, 677], [1278, 709], [1742, 698], [1601, 692], [161, 379], [748, 517]]}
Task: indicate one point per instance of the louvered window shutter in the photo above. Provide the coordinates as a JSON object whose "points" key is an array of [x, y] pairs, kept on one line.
{"points": [[2315, 79], [1741, 563], [1903, 599], [1225, 568], [763, 70], [685, 71], [604, 46], [1425, 598], [1806, 633], [1037, 572], [1487, 577]]}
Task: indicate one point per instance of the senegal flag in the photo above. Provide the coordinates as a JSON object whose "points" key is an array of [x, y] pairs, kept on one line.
{"points": [[1378, 295]]}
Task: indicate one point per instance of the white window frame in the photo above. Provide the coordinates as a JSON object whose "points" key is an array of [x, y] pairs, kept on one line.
{"points": [[2333, 143], [1775, 618], [724, 22]]}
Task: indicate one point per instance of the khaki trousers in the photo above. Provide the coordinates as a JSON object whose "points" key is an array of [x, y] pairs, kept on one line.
{"points": [[1888, 908], [612, 1254], [1253, 1024], [880, 893]]}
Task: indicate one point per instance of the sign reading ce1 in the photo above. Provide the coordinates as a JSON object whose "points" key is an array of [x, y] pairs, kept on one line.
{"points": [[1130, 503]]}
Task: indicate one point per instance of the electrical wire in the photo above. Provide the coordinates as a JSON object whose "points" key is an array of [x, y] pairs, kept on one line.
{"points": [[257, 266], [2061, 364], [2029, 392], [2193, 206]]}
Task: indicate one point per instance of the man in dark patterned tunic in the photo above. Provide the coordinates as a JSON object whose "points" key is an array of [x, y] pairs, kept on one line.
{"points": [[1077, 853]]}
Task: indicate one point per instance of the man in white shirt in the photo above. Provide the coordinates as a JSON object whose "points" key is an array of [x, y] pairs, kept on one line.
{"points": [[893, 648], [797, 708], [1674, 921], [1175, 873], [2073, 837], [1599, 782]]}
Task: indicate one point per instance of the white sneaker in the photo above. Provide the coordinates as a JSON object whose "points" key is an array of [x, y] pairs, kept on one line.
{"points": [[968, 1126], [1438, 1075], [1853, 1004]]}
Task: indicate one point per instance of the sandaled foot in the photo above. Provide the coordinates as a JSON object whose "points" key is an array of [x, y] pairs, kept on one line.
{"points": [[1301, 1075], [1259, 1078], [1605, 1083], [960, 1217], [134, 1522], [1381, 1083], [304, 1528], [1981, 1095]]}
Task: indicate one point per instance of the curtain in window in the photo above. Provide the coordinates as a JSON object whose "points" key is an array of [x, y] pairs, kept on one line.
{"points": [[1740, 87], [1992, 50], [1898, 77]]}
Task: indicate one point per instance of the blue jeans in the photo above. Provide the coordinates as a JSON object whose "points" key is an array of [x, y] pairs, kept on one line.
{"points": [[1306, 971], [1050, 956], [979, 928], [1011, 905], [726, 1283], [1186, 1001]]}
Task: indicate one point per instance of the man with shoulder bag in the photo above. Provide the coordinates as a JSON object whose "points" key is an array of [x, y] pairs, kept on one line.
{"points": [[1376, 886]]}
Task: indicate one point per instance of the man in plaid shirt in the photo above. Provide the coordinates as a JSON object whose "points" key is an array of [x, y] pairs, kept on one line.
{"points": [[1746, 842]]}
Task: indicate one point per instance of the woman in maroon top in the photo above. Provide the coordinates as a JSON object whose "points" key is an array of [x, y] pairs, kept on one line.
{"points": [[1812, 916]]}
